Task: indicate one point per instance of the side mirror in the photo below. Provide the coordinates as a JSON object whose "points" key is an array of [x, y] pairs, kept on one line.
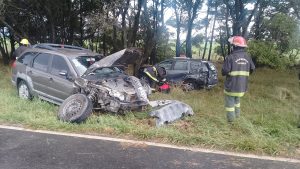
{"points": [[65, 74]]}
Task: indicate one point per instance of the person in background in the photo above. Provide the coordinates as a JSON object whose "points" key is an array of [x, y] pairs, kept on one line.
{"points": [[24, 44], [155, 75], [237, 67]]}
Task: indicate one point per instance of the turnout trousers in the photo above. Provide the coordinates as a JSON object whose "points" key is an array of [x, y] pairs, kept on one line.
{"points": [[232, 107]]}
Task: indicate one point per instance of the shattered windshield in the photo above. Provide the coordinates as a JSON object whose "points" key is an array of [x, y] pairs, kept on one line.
{"points": [[83, 62]]}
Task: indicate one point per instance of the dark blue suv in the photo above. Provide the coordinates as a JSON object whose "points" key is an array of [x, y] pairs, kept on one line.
{"points": [[190, 73]]}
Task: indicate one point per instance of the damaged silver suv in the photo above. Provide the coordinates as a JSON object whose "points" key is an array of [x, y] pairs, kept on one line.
{"points": [[63, 75], [48, 71]]}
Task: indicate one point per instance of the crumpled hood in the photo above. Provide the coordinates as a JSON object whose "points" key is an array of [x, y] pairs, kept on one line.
{"points": [[125, 57]]}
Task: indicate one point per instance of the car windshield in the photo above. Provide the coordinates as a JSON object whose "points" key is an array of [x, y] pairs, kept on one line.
{"points": [[106, 70], [83, 62]]}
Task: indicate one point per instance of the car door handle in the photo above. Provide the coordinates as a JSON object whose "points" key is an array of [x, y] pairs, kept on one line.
{"points": [[50, 79]]}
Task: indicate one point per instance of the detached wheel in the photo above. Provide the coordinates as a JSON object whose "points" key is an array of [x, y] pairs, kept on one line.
{"points": [[24, 91], [76, 108]]}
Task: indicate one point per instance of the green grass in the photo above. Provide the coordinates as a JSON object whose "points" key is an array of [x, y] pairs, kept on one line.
{"points": [[270, 114]]}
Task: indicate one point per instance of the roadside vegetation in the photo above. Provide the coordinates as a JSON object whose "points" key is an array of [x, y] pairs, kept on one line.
{"points": [[268, 124]]}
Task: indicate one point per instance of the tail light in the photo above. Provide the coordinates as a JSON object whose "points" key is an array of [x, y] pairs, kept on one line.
{"points": [[14, 64]]}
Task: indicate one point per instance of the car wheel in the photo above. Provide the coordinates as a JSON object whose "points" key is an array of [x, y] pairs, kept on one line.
{"points": [[188, 86], [24, 91], [76, 108]]}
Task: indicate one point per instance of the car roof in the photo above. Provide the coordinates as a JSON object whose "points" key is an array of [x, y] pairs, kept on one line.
{"points": [[58, 49]]}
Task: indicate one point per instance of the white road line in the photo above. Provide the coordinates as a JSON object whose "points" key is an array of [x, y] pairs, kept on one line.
{"points": [[155, 144]]}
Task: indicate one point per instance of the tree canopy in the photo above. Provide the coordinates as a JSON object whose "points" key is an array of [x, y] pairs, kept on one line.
{"points": [[162, 28]]}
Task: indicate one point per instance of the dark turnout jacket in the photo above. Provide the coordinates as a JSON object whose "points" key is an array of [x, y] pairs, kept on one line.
{"points": [[237, 68]]}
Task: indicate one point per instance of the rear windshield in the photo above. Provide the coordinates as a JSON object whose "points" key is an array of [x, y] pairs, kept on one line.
{"points": [[83, 62]]}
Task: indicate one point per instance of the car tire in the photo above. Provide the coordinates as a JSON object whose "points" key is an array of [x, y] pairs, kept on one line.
{"points": [[24, 91], [188, 86], [75, 109]]}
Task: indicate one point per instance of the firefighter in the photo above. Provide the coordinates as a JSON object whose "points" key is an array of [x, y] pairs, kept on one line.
{"points": [[155, 75], [237, 67], [24, 44]]}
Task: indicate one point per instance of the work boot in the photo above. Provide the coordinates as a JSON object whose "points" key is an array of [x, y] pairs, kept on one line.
{"points": [[237, 114], [230, 117]]}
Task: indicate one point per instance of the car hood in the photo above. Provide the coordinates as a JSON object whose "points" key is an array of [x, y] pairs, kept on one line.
{"points": [[123, 57]]}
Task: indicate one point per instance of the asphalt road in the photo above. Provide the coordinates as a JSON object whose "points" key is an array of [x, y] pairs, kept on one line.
{"points": [[31, 150]]}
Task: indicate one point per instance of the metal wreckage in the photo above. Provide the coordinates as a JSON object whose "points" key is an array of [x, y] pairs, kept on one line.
{"points": [[104, 86]]}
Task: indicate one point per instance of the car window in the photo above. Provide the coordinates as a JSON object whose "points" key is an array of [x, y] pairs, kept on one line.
{"points": [[87, 61], [58, 65], [181, 65], [41, 62], [26, 58], [166, 64]]}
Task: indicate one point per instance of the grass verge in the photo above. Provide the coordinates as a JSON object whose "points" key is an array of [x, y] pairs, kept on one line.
{"points": [[270, 114]]}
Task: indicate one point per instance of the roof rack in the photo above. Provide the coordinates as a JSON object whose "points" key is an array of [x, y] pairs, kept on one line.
{"points": [[52, 46]]}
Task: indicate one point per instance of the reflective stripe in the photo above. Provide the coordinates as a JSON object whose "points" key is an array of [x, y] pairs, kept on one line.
{"points": [[239, 73], [235, 94], [237, 105], [229, 108], [155, 70], [153, 78]]}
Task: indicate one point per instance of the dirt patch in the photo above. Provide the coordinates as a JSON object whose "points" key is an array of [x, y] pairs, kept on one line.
{"points": [[126, 145]]}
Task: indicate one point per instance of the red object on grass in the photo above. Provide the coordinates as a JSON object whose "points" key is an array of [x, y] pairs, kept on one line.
{"points": [[165, 88]]}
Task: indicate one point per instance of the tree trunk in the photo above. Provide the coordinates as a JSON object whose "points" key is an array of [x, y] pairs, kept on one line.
{"points": [[136, 23], [238, 5], [227, 29], [162, 9], [178, 21], [258, 20], [212, 34], [149, 39], [104, 45], [189, 41], [155, 31], [4, 42], [12, 44], [115, 41], [5, 57], [81, 24], [206, 27], [124, 31], [253, 13], [192, 13]]}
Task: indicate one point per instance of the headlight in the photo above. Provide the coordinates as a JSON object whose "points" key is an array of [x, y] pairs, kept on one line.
{"points": [[117, 94]]}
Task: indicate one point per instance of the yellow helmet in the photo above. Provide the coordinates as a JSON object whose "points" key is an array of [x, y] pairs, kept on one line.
{"points": [[24, 42]]}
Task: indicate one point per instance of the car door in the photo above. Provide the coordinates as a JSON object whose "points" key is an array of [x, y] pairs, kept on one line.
{"points": [[179, 71], [61, 81], [166, 64], [38, 73]]}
